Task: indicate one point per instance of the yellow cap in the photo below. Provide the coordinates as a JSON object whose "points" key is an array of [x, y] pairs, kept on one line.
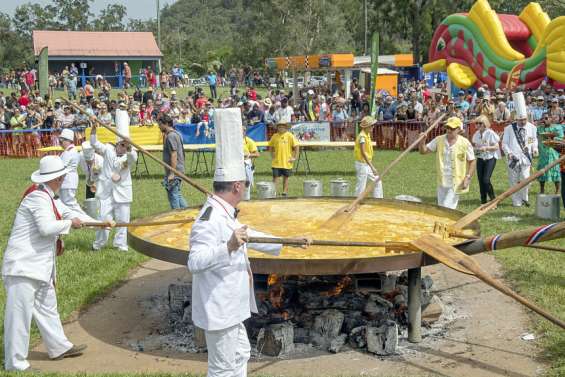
{"points": [[454, 123]]}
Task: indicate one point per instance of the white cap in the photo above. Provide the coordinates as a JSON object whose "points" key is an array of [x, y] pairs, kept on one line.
{"points": [[87, 151], [122, 123], [520, 105], [67, 134], [50, 167], [229, 146]]}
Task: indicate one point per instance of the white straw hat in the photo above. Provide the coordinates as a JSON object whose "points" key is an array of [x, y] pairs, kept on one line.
{"points": [[50, 167], [67, 134]]}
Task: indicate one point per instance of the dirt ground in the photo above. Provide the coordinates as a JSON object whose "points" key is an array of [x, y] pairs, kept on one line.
{"points": [[483, 340]]}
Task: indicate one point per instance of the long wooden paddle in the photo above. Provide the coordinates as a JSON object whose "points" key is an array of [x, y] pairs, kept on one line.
{"points": [[456, 259], [134, 224], [303, 242], [471, 217], [345, 213], [180, 174], [546, 247]]}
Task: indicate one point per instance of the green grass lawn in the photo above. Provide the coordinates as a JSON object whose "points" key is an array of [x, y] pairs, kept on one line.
{"points": [[85, 276]]}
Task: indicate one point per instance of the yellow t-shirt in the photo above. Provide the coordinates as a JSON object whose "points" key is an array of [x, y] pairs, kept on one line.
{"points": [[282, 146], [249, 146], [367, 146]]}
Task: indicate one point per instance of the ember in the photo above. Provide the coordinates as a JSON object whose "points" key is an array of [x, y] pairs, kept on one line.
{"points": [[331, 313]]}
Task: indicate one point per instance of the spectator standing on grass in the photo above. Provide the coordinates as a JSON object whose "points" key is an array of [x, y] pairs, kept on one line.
{"points": [[455, 163], [284, 151], [363, 152], [284, 113], [547, 131], [127, 75], [211, 78], [173, 155], [388, 111], [486, 144], [72, 87]]}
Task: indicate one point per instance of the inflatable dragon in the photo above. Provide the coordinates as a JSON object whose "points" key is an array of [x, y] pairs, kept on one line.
{"points": [[500, 50]]}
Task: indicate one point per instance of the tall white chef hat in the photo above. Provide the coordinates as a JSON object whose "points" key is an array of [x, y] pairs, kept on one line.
{"points": [[122, 123], [520, 105], [229, 146]]}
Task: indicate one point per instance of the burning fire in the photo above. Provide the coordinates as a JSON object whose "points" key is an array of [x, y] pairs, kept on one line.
{"points": [[341, 285], [276, 291]]}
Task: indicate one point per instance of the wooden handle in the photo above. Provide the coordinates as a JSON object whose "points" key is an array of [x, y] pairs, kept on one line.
{"points": [[133, 225], [485, 277], [459, 261], [471, 217], [545, 247], [180, 174], [302, 241], [371, 184]]}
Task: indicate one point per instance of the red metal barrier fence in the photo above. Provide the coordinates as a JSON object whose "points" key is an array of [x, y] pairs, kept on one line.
{"points": [[388, 135]]}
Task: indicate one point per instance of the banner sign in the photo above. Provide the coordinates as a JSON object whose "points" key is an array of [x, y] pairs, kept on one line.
{"points": [[206, 134], [311, 131]]}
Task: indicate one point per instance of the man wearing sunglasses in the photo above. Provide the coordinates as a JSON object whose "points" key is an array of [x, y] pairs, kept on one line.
{"points": [[455, 163]]}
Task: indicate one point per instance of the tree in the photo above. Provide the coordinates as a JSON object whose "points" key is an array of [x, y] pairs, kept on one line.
{"points": [[73, 14], [29, 17], [110, 19]]}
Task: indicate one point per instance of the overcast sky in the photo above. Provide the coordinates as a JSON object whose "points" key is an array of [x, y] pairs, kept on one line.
{"points": [[143, 9]]}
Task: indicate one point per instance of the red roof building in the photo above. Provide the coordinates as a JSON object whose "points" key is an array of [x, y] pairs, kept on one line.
{"points": [[99, 53]]}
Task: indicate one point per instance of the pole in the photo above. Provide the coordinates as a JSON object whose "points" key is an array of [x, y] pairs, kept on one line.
{"points": [[365, 9], [158, 25], [374, 71], [414, 305]]}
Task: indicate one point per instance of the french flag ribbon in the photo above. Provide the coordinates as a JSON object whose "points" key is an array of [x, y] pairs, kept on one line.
{"points": [[539, 233], [493, 241]]}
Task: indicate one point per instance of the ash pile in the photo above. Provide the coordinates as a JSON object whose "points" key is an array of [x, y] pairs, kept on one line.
{"points": [[323, 313]]}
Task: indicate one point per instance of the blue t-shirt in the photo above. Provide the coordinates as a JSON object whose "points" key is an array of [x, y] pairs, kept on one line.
{"points": [[212, 79]]}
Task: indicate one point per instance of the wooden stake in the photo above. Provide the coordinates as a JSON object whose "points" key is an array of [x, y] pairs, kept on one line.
{"points": [[180, 174], [345, 213], [303, 242], [459, 261]]}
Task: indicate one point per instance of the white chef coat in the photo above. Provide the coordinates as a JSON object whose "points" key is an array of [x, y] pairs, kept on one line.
{"points": [[31, 247], [71, 158], [510, 143], [92, 172], [121, 191], [489, 138], [222, 285]]}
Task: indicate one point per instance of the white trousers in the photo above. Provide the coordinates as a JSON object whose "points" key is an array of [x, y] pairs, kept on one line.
{"points": [[68, 197], [26, 299], [447, 197], [119, 212], [516, 176], [364, 172], [228, 352]]}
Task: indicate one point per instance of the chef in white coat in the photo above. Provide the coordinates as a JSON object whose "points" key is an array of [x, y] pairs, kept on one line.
{"points": [[71, 158], [28, 269], [91, 165], [222, 281], [114, 188], [520, 146]]}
